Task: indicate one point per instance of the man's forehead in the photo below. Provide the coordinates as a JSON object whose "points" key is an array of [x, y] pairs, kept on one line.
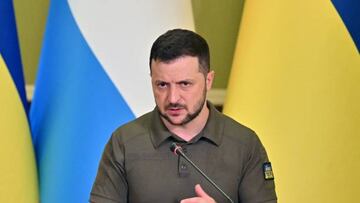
{"points": [[184, 64]]}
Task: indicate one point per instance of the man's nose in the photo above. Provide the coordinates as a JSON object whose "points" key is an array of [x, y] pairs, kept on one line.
{"points": [[174, 95]]}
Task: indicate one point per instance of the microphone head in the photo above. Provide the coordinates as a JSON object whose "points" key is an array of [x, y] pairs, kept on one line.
{"points": [[174, 148]]}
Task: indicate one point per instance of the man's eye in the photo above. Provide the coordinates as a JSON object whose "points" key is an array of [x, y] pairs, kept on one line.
{"points": [[162, 85], [185, 84]]}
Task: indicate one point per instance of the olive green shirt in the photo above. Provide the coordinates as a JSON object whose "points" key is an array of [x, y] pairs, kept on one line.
{"points": [[137, 165]]}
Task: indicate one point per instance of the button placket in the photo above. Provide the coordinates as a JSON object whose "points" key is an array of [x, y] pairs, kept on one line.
{"points": [[183, 165]]}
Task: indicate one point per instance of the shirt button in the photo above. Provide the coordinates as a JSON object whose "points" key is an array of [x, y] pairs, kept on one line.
{"points": [[183, 167]]}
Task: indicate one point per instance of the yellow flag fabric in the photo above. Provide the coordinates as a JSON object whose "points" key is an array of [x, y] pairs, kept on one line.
{"points": [[295, 80], [18, 176]]}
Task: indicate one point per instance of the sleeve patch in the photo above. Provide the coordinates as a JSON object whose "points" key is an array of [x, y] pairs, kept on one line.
{"points": [[268, 172]]}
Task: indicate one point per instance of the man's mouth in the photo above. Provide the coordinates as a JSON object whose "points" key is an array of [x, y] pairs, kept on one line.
{"points": [[174, 110]]}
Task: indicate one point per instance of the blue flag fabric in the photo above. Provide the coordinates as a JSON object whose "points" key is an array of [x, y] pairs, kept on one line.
{"points": [[75, 109], [9, 47], [349, 12], [92, 78], [18, 174]]}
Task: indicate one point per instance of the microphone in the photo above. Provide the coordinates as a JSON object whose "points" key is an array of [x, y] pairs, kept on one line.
{"points": [[177, 150]]}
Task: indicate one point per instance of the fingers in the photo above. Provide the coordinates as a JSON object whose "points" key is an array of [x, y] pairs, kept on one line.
{"points": [[193, 200], [202, 197], [200, 192]]}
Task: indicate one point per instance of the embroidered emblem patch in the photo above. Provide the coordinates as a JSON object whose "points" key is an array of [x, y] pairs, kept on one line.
{"points": [[268, 173]]}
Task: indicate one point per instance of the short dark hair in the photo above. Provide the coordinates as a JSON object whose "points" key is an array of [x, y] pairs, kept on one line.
{"points": [[180, 42]]}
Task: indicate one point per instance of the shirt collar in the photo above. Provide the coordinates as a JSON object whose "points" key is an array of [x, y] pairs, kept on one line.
{"points": [[212, 131], [158, 131]]}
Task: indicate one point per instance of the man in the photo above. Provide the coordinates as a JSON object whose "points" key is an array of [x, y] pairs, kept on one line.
{"points": [[137, 165]]}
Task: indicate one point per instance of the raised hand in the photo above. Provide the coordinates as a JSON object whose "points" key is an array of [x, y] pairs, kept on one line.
{"points": [[202, 197]]}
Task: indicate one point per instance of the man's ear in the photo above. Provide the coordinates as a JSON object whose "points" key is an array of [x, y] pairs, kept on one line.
{"points": [[209, 79]]}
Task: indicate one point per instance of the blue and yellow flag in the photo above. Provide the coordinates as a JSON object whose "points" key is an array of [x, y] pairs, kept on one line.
{"points": [[18, 175], [9, 47], [296, 81]]}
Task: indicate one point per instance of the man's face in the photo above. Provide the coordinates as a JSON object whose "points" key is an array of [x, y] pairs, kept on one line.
{"points": [[180, 89]]}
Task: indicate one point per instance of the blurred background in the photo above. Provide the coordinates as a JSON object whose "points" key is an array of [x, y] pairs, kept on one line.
{"points": [[290, 70], [217, 22]]}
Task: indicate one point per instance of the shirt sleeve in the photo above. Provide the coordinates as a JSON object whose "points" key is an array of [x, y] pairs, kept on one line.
{"points": [[110, 185], [254, 187]]}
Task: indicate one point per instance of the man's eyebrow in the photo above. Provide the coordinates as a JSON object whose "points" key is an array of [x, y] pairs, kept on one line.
{"points": [[185, 80], [160, 81]]}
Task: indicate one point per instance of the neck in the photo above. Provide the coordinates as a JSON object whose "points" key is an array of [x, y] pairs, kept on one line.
{"points": [[191, 129]]}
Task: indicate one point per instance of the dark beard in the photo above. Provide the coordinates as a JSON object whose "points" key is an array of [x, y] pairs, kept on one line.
{"points": [[190, 116]]}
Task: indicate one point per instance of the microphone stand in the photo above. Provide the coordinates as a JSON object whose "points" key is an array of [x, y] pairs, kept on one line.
{"points": [[178, 151]]}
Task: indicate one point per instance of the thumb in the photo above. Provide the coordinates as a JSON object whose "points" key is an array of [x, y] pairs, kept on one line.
{"points": [[200, 192]]}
